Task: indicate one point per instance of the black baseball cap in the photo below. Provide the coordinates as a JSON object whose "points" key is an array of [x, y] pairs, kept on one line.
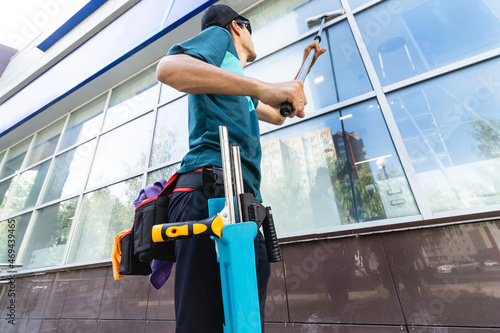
{"points": [[219, 15]]}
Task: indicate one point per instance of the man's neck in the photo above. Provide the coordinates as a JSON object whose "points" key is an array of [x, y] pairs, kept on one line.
{"points": [[242, 55]]}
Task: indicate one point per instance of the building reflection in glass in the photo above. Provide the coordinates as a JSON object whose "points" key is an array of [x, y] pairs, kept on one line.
{"points": [[329, 168]]}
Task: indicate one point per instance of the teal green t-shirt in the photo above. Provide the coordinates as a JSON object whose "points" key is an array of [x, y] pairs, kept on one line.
{"points": [[215, 46]]}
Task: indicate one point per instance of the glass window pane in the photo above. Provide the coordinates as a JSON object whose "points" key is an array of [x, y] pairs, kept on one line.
{"points": [[328, 168], [104, 213], [451, 129], [49, 235], [348, 72], [122, 151], [69, 173], [132, 98], [84, 124], [325, 85], [357, 3], [164, 173], [380, 184], [276, 23], [5, 189], [27, 189], [18, 226], [46, 142], [400, 46], [15, 158], [169, 94], [170, 141], [2, 155]]}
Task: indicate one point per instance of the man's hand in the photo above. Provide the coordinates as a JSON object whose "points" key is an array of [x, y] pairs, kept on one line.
{"points": [[308, 49], [274, 94]]}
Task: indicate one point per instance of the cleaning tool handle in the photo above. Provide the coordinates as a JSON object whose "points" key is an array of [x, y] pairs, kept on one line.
{"points": [[209, 227], [286, 108], [272, 245]]}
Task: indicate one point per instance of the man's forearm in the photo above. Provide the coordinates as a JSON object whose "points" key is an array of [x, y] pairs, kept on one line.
{"points": [[193, 76]]}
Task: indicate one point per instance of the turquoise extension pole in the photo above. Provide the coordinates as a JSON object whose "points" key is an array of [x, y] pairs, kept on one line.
{"points": [[235, 248], [236, 256]]}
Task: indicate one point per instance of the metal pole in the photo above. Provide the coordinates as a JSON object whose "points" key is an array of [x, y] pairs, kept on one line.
{"points": [[238, 178], [227, 172]]}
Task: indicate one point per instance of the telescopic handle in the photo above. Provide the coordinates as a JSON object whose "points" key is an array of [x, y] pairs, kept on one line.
{"points": [[286, 108]]}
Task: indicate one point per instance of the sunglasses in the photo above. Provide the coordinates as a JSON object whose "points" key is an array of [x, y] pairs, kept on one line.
{"points": [[245, 23]]}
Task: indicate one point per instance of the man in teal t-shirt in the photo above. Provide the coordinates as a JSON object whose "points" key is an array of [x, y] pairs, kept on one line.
{"points": [[215, 46], [209, 68]]}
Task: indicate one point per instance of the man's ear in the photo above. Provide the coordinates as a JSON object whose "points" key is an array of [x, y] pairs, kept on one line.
{"points": [[235, 28]]}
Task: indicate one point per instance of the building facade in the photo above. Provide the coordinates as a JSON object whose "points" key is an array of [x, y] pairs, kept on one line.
{"points": [[386, 196]]}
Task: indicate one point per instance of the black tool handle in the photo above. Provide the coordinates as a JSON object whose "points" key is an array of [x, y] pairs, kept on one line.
{"points": [[272, 245], [286, 109]]}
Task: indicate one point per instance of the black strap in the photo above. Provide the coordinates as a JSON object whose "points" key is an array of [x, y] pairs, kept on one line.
{"points": [[210, 180]]}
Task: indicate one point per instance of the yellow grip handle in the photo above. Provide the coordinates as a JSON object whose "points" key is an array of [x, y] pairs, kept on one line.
{"points": [[210, 227], [177, 231]]}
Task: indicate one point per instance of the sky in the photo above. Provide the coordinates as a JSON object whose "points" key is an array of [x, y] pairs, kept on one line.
{"points": [[21, 21]]}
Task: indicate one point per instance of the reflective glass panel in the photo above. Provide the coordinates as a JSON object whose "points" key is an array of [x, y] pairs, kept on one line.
{"points": [[12, 233], [122, 151], [49, 235], [27, 189], [45, 142], [15, 158], [132, 98], [357, 3], [380, 184], [170, 141], [84, 123], [5, 188], [2, 155], [400, 46], [328, 168], [69, 173], [164, 173], [338, 74], [104, 213], [347, 69], [169, 94], [276, 23], [451, 129]]}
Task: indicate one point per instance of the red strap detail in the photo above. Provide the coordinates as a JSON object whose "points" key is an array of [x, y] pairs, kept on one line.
{"points": [[174, 177], [184, 189], [145, 202], [127, 233]]}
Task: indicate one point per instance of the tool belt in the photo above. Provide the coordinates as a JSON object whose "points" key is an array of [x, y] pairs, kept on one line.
{"points": [[209, 180], [138, 248]]}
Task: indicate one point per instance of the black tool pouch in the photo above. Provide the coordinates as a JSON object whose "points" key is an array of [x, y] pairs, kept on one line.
{"points": [[130, 264], [149, 213], [146, 216]]}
